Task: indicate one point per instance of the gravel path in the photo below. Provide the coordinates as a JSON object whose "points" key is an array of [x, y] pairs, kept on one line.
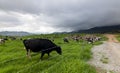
{"points": [[107, 56]]}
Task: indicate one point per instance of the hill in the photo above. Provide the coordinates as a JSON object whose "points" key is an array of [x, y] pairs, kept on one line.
{"points": [[102, 29], [14, 33]]}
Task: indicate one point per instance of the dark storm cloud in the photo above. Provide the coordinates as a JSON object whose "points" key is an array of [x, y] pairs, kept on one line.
{"points": [[82, 14], [66, 14]]}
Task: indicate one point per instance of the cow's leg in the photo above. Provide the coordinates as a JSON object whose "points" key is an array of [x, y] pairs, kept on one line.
{"points": [[48, 54], [42, 55], [29, 53]]}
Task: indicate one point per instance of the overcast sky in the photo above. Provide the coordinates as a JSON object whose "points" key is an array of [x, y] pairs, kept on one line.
{"points": [[47, 16]]}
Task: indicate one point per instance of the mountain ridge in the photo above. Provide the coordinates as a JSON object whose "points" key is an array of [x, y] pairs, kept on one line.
{"points": [[101, 29], [14, 33]]}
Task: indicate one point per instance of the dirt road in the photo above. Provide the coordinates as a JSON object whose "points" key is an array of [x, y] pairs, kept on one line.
{"points": [[111, 38], [106, 57]]}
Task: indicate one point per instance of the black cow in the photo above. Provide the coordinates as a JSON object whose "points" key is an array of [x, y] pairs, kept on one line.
{"points": [[41, 45], [65, 40]]}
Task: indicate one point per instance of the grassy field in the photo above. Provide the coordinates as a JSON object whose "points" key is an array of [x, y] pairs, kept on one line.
{"points": [[73, 59]]}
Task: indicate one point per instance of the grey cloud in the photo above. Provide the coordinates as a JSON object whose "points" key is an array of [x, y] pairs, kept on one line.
{"points": [[67, 14], [84, 14], [7, 19], [27, 6]]}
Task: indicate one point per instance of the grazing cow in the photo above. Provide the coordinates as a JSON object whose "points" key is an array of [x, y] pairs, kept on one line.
{"points": [[2, 41], [41, 45], [76, 39], [12, 38], [66, 40], [90, 40]]}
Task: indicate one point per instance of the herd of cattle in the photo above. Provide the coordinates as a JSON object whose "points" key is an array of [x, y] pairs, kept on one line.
{"points": [[45, 46], [3, 39], [88, 38]]}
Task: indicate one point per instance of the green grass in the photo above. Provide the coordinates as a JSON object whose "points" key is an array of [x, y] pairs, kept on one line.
{"points": [[73, 59], [118, 37]]}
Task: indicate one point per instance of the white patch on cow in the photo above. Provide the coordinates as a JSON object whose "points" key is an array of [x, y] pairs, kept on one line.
{"points": [[29, 55], [24, 48]]}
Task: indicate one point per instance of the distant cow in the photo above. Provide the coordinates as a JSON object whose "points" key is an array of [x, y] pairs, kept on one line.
{"points": [[2, 41], [90, 40], [41, 45], [65, 40]]}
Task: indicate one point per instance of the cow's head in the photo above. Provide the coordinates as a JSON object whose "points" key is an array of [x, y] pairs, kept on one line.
{"points": [[59, 50]]}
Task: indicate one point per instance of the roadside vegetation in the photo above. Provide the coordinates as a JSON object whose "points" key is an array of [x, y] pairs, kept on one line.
{"points": [[118, 37], [73, 59]]}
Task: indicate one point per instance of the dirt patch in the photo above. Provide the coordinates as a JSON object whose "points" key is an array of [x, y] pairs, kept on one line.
{"points": [[106, 57], [111, 38]]}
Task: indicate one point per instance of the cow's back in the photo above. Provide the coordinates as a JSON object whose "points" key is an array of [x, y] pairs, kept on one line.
{"points": [[38, 44]]}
